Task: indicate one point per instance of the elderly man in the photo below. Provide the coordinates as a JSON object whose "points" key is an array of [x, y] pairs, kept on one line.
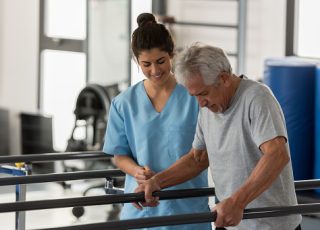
{"points": [[241, 135]]}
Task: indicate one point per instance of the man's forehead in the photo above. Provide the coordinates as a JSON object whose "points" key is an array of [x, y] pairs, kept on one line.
{"points": [[195, 86], [194, 79]]}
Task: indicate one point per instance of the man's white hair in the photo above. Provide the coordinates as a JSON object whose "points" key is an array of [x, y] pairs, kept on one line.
{"points": [[208, 61]]}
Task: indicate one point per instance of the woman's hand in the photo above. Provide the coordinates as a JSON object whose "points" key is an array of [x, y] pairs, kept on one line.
{"points": [[142, 174]]}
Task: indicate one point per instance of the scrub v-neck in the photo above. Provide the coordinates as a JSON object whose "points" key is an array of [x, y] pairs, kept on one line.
{"points": [[167, 104]]}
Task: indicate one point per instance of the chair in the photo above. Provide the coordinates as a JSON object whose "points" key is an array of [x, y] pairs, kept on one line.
{"points": [[4, 132], [36, 138]]}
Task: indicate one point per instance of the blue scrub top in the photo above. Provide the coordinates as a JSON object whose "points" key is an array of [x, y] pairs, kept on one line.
{"points": [[157, 140]]}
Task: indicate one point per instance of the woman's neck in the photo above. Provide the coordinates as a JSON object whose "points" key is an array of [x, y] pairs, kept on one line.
{"points": [[168, 86]]}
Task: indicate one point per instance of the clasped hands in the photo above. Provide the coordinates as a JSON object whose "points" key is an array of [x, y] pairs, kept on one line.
{"points": [[146, 184], [229, 213]]}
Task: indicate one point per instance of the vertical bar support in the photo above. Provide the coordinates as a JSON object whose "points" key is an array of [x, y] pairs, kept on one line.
{"points": [[241, 38], [21, 191]]}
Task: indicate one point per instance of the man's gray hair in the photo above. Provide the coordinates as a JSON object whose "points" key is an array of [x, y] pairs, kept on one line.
{"points": [[208, 61]]}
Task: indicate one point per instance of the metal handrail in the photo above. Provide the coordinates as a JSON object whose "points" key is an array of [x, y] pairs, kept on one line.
{"points": [[307, 184], [193, 218], [55, 177], [48, 157], [299, 185], [103, 199]]}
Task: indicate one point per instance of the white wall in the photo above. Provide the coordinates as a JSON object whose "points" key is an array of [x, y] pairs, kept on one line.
{"points": [[265, 28], [138, 7], [19, 48], [18, 61]]}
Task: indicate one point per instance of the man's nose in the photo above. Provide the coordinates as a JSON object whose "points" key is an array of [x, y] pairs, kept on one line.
{"points": [[202, 101]]}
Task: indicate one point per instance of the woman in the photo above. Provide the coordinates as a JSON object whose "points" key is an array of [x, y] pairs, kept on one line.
{"points": [[152, 124]]}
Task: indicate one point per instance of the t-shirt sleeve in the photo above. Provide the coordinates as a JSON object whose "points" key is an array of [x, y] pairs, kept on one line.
{"points": [[266, 118], [116, 142], [198, 141]]}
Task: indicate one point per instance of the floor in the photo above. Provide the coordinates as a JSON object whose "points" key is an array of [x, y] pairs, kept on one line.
{"points": [[64, 217], [52, 217]]}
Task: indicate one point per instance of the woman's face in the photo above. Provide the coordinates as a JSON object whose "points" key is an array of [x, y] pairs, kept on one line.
{"points": [[155, 65]]}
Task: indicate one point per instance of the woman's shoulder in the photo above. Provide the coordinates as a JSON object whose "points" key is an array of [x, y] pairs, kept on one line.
{"points": [[129, 94]]}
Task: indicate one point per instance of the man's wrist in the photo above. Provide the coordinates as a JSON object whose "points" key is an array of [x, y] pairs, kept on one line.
{"points": [[157, 180], [239, 200]]}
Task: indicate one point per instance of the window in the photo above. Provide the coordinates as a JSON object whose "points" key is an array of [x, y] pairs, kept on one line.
{"points": [[308, 24], [81, 42], [303, 21], [64, 75], [63, 63]]}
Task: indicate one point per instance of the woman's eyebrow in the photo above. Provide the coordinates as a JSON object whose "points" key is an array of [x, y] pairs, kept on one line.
{"points": [[156, 60]]}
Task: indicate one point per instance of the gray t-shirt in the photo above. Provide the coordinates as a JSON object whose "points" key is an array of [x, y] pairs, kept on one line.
{"points": [[232, 140]]}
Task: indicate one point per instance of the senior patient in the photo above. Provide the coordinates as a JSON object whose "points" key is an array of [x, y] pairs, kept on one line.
{"points": [[241, 134]]}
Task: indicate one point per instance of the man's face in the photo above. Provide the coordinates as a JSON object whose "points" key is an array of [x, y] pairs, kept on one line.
{"points": [[215, 97]]}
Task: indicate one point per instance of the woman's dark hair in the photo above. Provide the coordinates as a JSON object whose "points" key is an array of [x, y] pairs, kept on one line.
{"points": [[149, 35]]}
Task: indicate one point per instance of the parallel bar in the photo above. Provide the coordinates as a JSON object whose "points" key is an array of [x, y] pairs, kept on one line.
{"points": [[193, 218], [144, 222], [47, 157], [105, 199], [55, 177], [306, 184]]}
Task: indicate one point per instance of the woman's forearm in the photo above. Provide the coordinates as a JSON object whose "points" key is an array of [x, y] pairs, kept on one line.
{"points": [[126, 164]]}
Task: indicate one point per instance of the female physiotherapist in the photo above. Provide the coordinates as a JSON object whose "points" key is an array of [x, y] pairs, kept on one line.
{"points": [[152, 124]]}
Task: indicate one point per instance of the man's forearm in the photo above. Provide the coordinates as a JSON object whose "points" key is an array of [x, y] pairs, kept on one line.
{"points": [[184, 169]]}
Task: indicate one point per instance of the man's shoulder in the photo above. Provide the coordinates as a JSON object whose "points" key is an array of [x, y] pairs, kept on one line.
{"points": [[254, 90]]}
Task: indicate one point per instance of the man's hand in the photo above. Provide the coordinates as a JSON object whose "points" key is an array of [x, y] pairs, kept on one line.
{"points": [[148, 187], [229, 213], [186, 168]]}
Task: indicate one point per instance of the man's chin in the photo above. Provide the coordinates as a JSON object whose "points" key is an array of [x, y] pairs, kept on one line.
{"points": [[215, 110]]}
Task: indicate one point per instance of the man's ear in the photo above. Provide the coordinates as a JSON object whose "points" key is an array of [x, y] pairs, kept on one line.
{"points": [[225, 78]]}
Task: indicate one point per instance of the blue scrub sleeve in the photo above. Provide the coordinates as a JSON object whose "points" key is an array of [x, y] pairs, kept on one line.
{"points": [[116, 142]]}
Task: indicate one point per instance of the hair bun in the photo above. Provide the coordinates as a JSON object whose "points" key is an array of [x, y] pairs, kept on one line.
{"points": [[145, 18]]}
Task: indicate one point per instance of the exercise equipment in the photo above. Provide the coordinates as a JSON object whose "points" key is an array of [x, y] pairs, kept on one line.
{"points": [[22, 206], [292, 82], [23, 169], [92, 107], [91, 116], [317, 127]]}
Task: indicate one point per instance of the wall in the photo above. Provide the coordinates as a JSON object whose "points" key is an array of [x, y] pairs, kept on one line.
{"points": [[18, 61], [265, 28], [19, 47]]}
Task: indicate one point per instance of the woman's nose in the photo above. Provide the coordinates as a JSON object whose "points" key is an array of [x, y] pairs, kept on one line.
{"points": [[154, 69]]}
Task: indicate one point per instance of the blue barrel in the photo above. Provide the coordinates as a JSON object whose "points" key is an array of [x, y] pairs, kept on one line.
{"points": [[317, 128], [292, 82]]}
